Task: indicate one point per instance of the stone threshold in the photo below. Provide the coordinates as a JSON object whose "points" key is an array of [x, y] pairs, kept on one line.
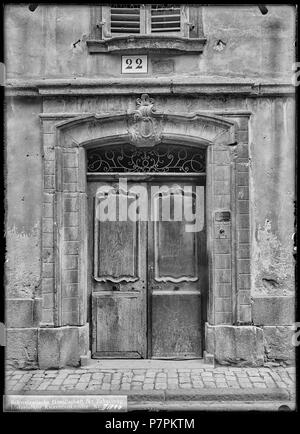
{"points": [[146, 364]]}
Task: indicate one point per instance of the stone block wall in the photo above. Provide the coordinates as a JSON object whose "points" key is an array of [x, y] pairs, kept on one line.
{"points": [[222, 256]]}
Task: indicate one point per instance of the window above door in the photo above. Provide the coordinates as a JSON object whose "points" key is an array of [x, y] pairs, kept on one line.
{"points": [[160, 158], [151, 19], [151, 27]]}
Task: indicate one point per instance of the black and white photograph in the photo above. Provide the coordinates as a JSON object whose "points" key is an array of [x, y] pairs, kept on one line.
{"points": [[150, 210]]}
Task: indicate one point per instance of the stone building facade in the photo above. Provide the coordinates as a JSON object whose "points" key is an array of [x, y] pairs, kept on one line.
{"points": [[217, 85]]}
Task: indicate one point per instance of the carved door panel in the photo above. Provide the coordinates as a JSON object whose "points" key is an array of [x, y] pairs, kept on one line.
{"points": [[147, 277], [117, 270], [177, 271]]}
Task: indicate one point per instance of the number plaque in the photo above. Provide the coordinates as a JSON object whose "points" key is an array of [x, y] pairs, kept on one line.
{"points": [[134, 64]]}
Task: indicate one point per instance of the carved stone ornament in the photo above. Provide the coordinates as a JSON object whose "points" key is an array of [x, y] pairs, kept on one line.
{"points": [[144, 129]]}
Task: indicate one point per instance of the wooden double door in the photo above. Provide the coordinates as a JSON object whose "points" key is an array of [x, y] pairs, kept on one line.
{"points": [[147, 268]]}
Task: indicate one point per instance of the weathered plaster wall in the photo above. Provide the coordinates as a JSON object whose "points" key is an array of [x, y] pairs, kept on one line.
{"points": [[23, 196], [241, 43], [23, 225], [273, 177]]}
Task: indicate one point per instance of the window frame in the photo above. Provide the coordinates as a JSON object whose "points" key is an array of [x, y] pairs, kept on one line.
{"points": [[145, 24]]}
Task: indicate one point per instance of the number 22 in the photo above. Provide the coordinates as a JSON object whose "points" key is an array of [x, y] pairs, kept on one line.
{"points": [[138, 61]]}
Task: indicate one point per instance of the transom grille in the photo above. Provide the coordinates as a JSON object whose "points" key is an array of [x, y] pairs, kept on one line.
{"points": [[160, 158], [125, 19], [165, 19]]}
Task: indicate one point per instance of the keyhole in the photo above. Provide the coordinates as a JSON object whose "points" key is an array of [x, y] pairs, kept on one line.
{"points": [[222, 231]]}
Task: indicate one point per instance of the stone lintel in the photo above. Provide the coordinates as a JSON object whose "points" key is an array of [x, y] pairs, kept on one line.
{"points": [[162, 85]]}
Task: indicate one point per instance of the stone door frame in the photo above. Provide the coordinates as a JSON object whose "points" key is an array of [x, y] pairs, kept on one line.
{"points": [[64, 231]]}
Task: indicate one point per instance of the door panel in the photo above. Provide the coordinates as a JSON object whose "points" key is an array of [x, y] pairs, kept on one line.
{"points": [[174, 252], [176, 326], [147, 278], [175, 258], [116, 320], [116, 251], [117, 277]]}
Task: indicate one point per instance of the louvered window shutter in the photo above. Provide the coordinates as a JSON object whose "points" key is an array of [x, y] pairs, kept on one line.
{"points": [[155, 19], [165, 19], [125, 19]]}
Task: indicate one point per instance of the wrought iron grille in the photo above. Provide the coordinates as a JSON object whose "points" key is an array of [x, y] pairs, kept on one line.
{"points": [[160, 158]]}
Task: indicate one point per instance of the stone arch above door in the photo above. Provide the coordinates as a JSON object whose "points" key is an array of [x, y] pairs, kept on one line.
{"points": [[195, 128], [64, 220]]}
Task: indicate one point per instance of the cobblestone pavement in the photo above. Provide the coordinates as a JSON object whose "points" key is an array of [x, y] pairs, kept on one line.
{"points": [[125, 379]]}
